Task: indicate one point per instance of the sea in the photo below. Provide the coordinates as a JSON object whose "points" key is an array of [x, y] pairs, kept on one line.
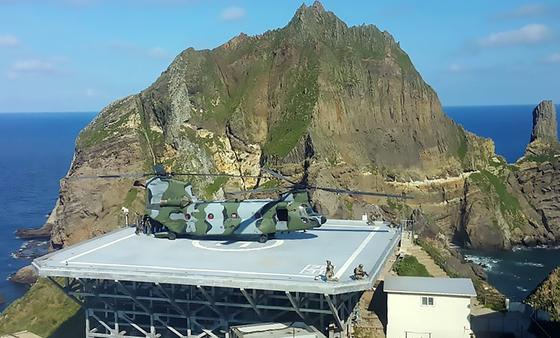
{"points": [[35, 153], [36, 150]]}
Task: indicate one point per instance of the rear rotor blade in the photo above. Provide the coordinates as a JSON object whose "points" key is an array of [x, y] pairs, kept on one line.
{"points": [[356, 192], [215, 175], [257, 190]]}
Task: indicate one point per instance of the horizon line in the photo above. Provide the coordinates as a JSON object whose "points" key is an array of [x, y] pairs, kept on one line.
{"points": [[98, 111]]}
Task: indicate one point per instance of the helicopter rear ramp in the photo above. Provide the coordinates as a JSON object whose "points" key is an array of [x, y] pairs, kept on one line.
{"points": [[152, 285]]}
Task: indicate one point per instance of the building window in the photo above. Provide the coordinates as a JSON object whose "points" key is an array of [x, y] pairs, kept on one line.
{"points": [[428, 301]]}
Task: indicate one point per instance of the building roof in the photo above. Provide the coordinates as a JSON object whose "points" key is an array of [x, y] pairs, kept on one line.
{"points": [[462, 287]]}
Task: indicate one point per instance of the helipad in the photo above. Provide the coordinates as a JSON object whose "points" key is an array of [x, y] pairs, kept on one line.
{"points": [[290, 262]]}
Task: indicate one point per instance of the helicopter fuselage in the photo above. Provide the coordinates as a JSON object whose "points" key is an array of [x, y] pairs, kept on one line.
{"points": [[172, 206]]}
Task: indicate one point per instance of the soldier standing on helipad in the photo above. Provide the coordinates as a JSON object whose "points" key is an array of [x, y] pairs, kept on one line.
{"points": [[329, 272]]}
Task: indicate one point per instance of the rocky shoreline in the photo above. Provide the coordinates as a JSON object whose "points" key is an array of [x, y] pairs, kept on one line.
{"points": [[43, 232]]}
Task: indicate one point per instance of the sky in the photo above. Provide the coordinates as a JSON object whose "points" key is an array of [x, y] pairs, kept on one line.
{"points": [[79, 55]]}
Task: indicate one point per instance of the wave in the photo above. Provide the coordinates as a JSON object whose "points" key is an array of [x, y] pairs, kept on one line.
{"points": [[540, 246], [533, 264], [520, 288], [487, 263]]}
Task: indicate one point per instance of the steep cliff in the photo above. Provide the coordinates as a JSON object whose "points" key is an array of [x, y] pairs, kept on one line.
{"points": [[546, 296], [346, 100]]}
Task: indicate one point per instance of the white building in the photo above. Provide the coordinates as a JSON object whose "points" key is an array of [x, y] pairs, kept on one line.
{"points": [[427, 307]]}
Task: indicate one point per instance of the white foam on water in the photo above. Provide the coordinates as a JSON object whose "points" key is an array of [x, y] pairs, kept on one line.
{"points": [[487, 263], [533, 264]]}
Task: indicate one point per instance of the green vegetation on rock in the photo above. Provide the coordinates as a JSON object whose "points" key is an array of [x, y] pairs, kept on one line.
{"points": [[409, 266], [42, 310], [509, 205], [546, 296]]}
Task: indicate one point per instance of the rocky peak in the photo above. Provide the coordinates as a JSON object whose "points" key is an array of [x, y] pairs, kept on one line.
{"points": [[307, 18], [544, 123]]}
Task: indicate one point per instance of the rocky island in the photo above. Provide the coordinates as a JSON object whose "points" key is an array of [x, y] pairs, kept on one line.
{"points": [[342, 106]]}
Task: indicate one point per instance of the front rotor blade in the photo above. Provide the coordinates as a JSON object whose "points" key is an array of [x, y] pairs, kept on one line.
{"points": [[356, 192], [278, 175], [106, 176]]}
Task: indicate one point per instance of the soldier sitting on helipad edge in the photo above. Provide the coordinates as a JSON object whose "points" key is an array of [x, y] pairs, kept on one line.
{"points": [[359, 272]]}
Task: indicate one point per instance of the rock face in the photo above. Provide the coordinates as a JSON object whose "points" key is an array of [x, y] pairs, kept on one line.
{"points": [[344, 103], [544, 137], [26, 275], [544, 123], [336, 105], [546, 296]]}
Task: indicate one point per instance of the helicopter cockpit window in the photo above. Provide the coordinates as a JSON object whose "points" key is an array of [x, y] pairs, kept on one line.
{"points": [[282, 214]]}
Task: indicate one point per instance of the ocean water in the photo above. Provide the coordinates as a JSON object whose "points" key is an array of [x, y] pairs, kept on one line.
{"points": [[509, 126], [515, 273], [35, 152]]}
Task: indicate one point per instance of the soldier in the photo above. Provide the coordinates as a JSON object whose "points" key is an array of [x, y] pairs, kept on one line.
{"points": [[329, 272], [359, 272]]}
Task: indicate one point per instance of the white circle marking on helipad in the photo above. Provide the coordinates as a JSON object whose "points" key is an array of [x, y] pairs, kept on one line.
{"points": [[243, 247]]}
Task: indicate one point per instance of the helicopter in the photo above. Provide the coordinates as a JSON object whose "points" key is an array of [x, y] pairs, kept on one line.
{"points": [[172, 209]]}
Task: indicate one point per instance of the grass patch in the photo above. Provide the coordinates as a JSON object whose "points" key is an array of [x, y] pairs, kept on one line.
{"points": [[130, 197], [42, 310], [395, 204], [213, 187], [409, 266]]}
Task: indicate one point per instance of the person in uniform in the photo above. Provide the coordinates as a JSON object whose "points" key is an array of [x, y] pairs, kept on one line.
{"points": [[359, 272], [329, 271]]}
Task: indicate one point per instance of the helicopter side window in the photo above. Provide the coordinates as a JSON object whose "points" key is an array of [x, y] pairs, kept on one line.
{"points": [[282, 214]]}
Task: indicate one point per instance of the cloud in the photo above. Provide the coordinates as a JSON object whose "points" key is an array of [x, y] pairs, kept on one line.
{"points": [[35, 67], [528, 11], [9, 40], [526, 35], [552, 58], [455, 68], [233, 13], [89, 92], [131, 48]]}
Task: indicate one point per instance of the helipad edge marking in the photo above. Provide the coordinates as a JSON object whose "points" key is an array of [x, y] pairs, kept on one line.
{"points": [[95, 249], [190, 269], [355, 254]]}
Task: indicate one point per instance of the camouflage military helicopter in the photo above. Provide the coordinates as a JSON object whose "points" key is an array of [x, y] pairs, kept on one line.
{"points": [[172, 209]]}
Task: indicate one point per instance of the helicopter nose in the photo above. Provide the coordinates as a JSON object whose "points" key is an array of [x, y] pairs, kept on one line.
{"points": [[323, 219]]}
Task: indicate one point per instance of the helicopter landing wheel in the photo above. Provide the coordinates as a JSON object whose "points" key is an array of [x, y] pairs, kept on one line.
{"points": [[263, 238], [171, 235]]}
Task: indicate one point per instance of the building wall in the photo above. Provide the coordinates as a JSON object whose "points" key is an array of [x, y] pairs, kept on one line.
{"points": [[408, 318]]}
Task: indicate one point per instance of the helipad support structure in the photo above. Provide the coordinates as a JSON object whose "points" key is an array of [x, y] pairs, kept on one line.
{"points": [[139, 286]]}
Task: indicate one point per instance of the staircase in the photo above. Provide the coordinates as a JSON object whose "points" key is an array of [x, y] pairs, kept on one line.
{"points": [[409, 248]]}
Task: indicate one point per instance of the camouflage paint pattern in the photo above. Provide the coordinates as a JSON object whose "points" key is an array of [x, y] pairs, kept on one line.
{"points": [[171, 204]]}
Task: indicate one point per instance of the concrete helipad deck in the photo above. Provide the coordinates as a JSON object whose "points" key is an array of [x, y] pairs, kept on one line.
{"points": [[291, 262]]}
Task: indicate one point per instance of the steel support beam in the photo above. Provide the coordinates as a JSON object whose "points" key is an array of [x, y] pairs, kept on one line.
{"points": [[123, 309]]}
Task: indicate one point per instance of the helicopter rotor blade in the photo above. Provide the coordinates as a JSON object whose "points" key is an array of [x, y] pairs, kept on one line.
{"points": [[258, 190], [356, 192], [279, 176], [106, 176], [215, 175]]}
